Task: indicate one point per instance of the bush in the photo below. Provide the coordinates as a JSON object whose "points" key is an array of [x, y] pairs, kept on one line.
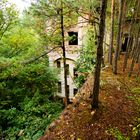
{"points": [[31, 120], [26, 103], [86, 61], [117, 134]]}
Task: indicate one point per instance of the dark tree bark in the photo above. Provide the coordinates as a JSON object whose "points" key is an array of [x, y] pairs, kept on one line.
{"points": [[118, 38], [111, 32], [130, 39], [66, 99], [123, 22], [138, 66], [95, 93], [136, 53]]}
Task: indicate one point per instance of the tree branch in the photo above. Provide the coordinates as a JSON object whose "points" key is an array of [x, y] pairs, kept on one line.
{"points": [[42, 55]]}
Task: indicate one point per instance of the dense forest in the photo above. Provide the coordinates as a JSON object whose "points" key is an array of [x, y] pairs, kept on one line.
{"points": [[29, 85]]}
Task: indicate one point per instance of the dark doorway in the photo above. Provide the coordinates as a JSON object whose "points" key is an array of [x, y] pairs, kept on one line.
{"points": [[58, 64], [124, 45], [75, 91]]}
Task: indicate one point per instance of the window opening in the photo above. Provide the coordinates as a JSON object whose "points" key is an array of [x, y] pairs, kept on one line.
{"points": [[58, 64], [59, 87], [75, 72], [67, 70], [73, 38], [68, 89], [75, 91]]}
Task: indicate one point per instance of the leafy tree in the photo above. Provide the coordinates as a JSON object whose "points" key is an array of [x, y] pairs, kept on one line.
{"points": [[27, 84], [8, 16], [30, 121]]}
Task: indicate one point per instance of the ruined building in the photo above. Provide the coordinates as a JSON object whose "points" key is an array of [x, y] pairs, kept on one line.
{"points": [[72, 54]]}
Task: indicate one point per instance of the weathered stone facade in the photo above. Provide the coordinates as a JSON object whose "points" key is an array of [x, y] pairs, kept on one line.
{"points": [[72, 54]]}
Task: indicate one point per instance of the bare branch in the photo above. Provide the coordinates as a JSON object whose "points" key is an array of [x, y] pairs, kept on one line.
{"points": [[42, 55]]}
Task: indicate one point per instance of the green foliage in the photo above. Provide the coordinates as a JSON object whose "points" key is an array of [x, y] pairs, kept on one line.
{"points": [[47, 19], [8, 16], [117, 134], [21, 43], [27, 89], [86, 61], [136, 90], [136, 129], [135, 95], [26, 102], [32, 118], [130, 9], [27, 80], [26, 98]]}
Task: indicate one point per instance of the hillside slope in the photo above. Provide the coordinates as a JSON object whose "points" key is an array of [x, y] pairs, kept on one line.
{"points": [[116, 116]]}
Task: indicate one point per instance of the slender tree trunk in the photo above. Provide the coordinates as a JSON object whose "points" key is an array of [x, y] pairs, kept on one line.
{"points": [[66, 99], [128, 48], [122, 24], [118, 38], [95, 93], [135, 53], [138, 66], [112, 32], [133, 63]]}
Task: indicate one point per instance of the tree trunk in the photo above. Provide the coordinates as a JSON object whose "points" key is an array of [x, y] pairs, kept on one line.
{"points": [[112, 32], [138, 66], [118, 38], [66, 99], [95, 93], [135, 53], [122, 24], [133, 63], [130, 39]]}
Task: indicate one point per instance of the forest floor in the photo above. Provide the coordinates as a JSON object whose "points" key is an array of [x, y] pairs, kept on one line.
{"points": [[116, 115]]}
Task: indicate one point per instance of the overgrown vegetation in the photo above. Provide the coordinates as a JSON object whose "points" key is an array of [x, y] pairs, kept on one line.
{"points": [[86, 61], [117, 134], [27, 84], [136, 97]]}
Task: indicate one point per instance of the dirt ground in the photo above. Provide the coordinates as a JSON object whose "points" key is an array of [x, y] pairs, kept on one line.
{"points": [[117, 111]]}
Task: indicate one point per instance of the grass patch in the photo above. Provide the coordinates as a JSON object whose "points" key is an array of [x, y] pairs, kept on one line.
{"points": [[136, 90], [117, 134]]}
